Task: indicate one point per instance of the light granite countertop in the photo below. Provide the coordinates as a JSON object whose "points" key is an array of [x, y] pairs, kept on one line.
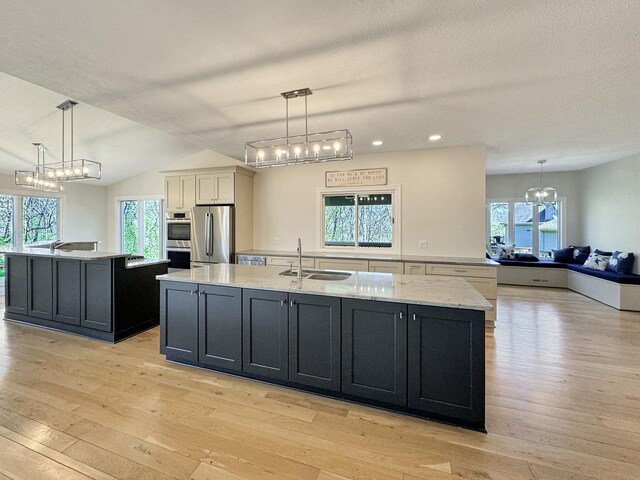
{"points": [[384, 257], [448, 292], [81, 255]]}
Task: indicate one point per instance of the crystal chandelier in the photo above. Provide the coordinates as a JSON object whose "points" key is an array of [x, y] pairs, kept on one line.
{"points": [[541, 195], [38, 179], [299, 149]]}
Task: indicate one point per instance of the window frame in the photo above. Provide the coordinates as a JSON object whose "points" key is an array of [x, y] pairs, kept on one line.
{"points": [[140, 199], [561, 206], [396, 242]]}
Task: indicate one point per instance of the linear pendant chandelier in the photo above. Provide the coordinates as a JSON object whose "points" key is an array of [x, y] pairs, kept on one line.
{"points": [[49, 177], [299, 149], [37, 179], [541, 195]]}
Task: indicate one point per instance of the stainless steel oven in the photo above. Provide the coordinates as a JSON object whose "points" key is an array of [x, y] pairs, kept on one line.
{"points": [[178, 239]]}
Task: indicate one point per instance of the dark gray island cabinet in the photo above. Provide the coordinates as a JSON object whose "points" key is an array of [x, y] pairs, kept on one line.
{"points": [[87, 293], [422, 360]]}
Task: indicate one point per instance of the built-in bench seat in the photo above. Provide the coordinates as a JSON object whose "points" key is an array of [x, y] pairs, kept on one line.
{"points": [[621, 291]]}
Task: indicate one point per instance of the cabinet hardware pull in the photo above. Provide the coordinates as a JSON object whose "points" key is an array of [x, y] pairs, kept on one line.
{"points": [[282, 303], [400, 315], [414, 317], [292, 303]]}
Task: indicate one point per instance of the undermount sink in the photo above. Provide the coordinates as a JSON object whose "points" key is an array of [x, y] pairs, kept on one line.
{"points": [[318, 274]]}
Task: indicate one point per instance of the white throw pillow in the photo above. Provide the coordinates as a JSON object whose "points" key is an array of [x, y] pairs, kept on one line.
{"points": [[507, 252], [597, 262]]}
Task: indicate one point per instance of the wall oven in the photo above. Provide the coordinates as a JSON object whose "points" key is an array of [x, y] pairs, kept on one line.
{"points": [[178, 239]]}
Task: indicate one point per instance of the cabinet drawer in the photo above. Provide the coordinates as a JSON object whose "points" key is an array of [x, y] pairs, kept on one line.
{"points": [[461, 270], [533, 276], [386, 267], [289, 261], [415, 268], [340, 264]]}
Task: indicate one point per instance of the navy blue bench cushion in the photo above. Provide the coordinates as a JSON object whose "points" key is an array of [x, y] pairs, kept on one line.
{"points": [[539, 263], [627, 278]]}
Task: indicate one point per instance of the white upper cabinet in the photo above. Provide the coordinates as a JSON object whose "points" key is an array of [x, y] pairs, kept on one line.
{"points": [[180, 192], [215, 188]]}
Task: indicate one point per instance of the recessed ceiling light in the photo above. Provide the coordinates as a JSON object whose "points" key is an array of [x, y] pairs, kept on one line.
{"points": [[435, 138], [377, 143]]}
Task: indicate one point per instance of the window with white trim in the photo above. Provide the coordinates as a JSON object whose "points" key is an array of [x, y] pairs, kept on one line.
{"points": [[141, 227], [360, 219]]}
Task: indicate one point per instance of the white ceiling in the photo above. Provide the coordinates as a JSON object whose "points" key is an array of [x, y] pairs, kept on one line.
{"points": [[531, 80]]}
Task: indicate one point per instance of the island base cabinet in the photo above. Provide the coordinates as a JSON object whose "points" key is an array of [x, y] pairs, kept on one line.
{"points": [[265, 334], [96, 295], [66, 291], [446, 363], [40, 291], [16, 290], [179, 325], [220, 327], [374, 350], [314, 341]]}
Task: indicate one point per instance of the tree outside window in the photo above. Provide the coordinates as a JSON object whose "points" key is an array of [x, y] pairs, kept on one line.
{"points": [[39, 220], [141, 227]]}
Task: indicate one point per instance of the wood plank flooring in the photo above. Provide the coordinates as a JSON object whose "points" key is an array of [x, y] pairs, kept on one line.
{"points": [[563, 402]]}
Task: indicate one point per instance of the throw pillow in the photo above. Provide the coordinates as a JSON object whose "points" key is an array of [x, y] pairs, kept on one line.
{"points": [[507, 252], [526, 257], [621, 262], [563, 255], [580, 254], [597, 262], [602, 252]]}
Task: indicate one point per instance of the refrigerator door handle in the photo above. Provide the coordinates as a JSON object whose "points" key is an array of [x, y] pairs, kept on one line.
{"points": [[207, 232], [211, 246]]}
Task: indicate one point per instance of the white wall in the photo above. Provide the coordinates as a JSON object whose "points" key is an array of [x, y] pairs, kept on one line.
{"points": [[610, 197], [443, 193], [152, 184], [83, 212], [568, 185]]}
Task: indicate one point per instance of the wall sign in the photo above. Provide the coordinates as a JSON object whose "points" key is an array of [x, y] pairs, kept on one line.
{"points": [[351, 178]]}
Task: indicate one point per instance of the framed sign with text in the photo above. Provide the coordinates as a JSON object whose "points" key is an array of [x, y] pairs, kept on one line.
{"points": [[353, 178]]}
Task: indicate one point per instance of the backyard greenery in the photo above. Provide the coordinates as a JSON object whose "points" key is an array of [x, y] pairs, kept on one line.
{"points": [[374, 219], [133, 230]]}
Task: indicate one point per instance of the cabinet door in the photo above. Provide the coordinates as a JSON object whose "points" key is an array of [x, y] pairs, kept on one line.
{"points": [[179, 321], [224, 187], [314, 341], [264, 333], [96, 294], [205, 189], [172, 193], [342, 264], [66, 291], [17, 281], [374, 350], [220, 327], [187, 192], [446, 362], [386, 267], [40, 292], [411, 268]]}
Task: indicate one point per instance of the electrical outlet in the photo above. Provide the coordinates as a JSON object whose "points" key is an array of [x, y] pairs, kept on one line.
{"points": [[423, 244], [276, 240]]}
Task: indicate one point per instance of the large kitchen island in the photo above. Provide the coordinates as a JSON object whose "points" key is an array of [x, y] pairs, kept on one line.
{"points": [[405, 343], [101, 295]]}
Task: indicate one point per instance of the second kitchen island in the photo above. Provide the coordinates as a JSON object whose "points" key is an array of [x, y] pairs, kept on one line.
{"points": [[405, 343]]}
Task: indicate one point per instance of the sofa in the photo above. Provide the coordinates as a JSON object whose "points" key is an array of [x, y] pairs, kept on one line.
{"points": [[621, 291]]}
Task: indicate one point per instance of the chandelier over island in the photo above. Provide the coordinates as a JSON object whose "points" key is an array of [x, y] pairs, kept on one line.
{"points": [[50, 176], [541, 195], [299, 149]]}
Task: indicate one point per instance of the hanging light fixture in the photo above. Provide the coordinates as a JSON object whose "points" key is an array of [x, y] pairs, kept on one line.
{"points": [[42, 177], [299, 149], [73, 169], [541, 195]]}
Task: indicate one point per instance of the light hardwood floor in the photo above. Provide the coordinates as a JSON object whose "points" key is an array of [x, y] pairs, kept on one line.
{"points": [[563, 402]]}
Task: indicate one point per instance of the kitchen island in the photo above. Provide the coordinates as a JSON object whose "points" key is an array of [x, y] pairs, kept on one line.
{"points": [[101, 295], [406, 343]]}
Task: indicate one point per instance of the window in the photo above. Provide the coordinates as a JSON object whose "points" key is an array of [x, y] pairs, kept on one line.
{"points": [[141, 227], [359, 219], [6, 227], [533, 229], [39, 220]]}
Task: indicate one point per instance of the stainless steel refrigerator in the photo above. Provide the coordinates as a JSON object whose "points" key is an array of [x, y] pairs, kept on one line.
{"points": [[212, 234]]}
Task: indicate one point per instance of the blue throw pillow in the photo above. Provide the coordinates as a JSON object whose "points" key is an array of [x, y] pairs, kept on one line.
{"points": [[563, 255], [621, 262], [526, 257], [603, 253], [580, 254]]}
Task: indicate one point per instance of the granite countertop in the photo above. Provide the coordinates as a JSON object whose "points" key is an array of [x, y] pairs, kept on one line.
{"points": [[383, 257], [72, 255], [145, 262], [449, 292]]}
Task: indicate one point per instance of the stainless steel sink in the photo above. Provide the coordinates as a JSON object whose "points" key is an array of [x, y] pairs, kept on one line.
{"points": [[329, 276], [318, 274]]}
